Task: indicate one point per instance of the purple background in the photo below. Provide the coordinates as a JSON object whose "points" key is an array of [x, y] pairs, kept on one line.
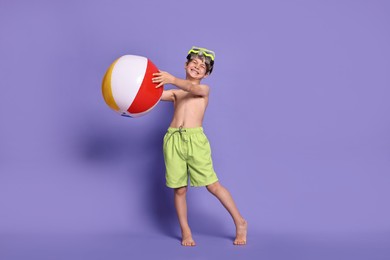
{"points": [[298, 122]]}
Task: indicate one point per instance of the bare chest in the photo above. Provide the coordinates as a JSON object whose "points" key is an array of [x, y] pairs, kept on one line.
{"points": [[188, 100]]}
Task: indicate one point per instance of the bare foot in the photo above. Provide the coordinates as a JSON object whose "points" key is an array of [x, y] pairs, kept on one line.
{"points": [[187, 240], [241, 231]]}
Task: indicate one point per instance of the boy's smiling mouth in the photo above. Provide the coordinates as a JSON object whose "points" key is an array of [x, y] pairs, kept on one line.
{"points": [[195, 71]]}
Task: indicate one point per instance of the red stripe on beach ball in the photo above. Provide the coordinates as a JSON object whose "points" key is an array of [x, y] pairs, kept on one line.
{"points": [[147, 95]]}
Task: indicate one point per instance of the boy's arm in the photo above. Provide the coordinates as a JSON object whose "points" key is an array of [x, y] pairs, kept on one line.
{"points": [[196, 89], [165, 78], [168, 95]]}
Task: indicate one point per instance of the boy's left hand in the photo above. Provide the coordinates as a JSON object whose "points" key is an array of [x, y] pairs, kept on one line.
{"points": [[162, 77]]}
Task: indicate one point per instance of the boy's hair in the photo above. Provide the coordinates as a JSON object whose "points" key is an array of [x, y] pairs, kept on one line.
{"points": [[198, 53]]}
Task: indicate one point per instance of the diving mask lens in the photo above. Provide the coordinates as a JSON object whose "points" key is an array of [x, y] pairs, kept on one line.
{"points": [[205, 52]]}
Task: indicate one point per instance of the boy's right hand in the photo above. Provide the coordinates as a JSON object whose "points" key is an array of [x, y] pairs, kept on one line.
{"points": [[162, 77]]}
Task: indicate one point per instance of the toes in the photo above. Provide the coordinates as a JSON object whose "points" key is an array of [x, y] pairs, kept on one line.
{"points": [[239, 242], [188, 243]]}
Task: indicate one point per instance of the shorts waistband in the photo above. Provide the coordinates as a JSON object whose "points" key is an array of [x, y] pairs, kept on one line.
{"points": [[183, 130]]}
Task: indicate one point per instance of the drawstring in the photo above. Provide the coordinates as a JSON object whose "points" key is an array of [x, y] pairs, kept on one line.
{"points": [[178, 131]]}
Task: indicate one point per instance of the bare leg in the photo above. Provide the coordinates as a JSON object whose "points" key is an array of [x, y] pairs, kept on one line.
{"points": [[227, 201], [181, 209]]}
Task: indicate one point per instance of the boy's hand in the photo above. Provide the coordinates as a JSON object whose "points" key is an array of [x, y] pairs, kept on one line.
{"points": [[162, 78]]}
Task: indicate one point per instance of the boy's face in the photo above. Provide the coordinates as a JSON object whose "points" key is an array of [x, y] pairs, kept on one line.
{"points": [[196, 69]]}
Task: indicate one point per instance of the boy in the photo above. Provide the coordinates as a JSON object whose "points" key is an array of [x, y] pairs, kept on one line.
{"points": [[186, 148]]}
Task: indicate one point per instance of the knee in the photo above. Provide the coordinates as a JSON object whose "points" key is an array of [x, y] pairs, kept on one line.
{"points": [[213, 188], [181, 191]]}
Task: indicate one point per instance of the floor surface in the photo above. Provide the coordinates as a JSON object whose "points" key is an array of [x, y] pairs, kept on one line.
{"points": [[270, 246]]}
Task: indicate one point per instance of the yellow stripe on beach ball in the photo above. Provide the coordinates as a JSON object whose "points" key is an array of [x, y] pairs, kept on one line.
{"points": [[106, 88]]}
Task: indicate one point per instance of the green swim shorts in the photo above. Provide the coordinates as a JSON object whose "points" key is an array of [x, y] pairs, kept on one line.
{"points": [[187, 152]]}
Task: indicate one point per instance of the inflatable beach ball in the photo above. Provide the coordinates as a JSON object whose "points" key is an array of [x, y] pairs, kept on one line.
{"points": [[128, 88]]}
